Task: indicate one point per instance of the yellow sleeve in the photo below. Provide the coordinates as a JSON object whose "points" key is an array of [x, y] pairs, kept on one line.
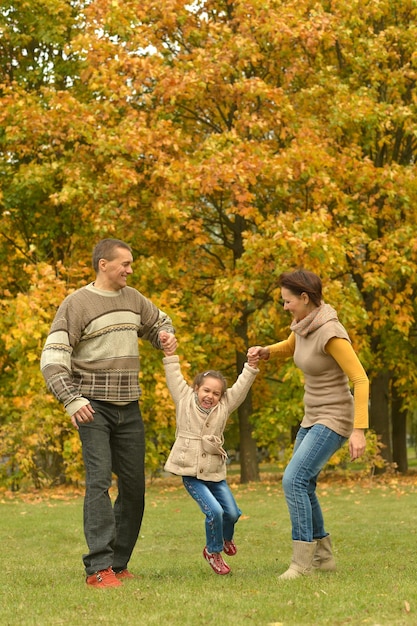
{"points": [[283, 349], [343, 353]]}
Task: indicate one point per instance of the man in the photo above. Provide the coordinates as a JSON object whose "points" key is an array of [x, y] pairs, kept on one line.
{"points": [[90, 362]]}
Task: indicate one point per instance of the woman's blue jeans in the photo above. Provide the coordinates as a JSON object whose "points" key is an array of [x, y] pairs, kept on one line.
{"points": [[113, 443], [217, 503], [312, 449]]}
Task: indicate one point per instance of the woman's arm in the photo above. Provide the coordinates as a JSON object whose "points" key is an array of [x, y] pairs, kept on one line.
{"points": [[343, 353], [281, 350]]}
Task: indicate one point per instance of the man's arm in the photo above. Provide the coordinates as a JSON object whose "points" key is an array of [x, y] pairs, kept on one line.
{"points": [[57, 372], [153, 322]]}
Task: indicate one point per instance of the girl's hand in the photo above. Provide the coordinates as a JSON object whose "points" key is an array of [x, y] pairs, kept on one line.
{"points": [[168, 343], [253, 360]]}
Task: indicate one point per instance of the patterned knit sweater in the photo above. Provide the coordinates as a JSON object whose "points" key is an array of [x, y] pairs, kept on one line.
{"points": [[92, 349]]}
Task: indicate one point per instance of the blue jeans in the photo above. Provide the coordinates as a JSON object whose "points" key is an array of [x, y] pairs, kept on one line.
{"points": [[217, 503], [312, 449], [113, 443]]}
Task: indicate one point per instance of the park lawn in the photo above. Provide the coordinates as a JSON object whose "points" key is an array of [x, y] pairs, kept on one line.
{"points": [[373, 525]]}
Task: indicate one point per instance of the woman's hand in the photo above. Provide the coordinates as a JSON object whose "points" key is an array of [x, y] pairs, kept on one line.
{"points": [[357, 443]]}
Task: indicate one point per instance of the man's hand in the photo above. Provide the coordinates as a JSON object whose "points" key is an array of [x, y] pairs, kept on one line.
{"points": [[83, 416]]}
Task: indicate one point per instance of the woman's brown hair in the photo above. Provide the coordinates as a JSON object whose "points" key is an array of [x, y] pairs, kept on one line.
{"points": [[303, 281]]}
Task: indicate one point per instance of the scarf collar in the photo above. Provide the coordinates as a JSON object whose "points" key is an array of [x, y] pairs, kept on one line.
{"points": [[319, 316]]}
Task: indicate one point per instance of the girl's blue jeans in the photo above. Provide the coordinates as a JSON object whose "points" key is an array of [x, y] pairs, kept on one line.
{"points": [[217, 503], [312, 449], [113, 443]]}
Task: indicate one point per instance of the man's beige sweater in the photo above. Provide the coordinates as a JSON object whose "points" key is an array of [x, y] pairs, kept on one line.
{"points": [[92, 350]]}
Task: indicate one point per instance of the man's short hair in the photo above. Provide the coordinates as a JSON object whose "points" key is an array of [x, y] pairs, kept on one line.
{"points": [[106, 249]]}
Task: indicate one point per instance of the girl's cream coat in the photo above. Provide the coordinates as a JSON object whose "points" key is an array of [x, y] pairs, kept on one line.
{"points": [[198, 448]]}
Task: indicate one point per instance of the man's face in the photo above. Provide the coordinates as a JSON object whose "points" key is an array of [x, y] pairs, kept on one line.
{"points": [[114, 273]]}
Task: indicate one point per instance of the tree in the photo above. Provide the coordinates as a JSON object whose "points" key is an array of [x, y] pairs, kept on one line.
{"points": [[322, 126], [228, 141]]}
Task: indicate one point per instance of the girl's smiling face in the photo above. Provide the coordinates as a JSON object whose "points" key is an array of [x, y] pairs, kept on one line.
{"points": [[209, 392]]}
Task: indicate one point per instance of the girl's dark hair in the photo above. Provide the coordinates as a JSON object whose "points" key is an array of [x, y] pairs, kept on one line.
{"points": [[198, 380], [303, 281], [106, 249]]}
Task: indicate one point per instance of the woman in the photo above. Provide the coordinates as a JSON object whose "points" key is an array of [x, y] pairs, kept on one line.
{"points": [[321, 348]]}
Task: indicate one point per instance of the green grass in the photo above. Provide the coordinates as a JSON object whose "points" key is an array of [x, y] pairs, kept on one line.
{"points": [[373, 525]]}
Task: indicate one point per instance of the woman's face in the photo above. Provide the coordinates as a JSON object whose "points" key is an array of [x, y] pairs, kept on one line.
{"points": [[298, 306], [209, 392]]}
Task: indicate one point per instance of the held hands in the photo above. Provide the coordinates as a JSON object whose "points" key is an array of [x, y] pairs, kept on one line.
{"points": [[257, 353], [168, 343]]}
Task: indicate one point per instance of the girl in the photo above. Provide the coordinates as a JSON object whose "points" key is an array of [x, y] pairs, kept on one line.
{"points": [[198, 455]]}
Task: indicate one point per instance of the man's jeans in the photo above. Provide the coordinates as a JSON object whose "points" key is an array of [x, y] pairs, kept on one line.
{"points": [[217, 503], [312, 449], [113, 443]]}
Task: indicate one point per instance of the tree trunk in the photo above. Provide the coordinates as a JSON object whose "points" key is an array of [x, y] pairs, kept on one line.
{"points": [[379, 412], [399, 432], [249, 469]]}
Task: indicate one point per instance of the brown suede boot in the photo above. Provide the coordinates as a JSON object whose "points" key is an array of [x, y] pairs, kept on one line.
{"points": [[302, 560], [323, 558]]}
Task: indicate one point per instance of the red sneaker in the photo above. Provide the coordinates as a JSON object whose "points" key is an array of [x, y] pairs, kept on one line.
{"points": [[124, 573], [216, 562], [229, 548], [103, 578]]}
